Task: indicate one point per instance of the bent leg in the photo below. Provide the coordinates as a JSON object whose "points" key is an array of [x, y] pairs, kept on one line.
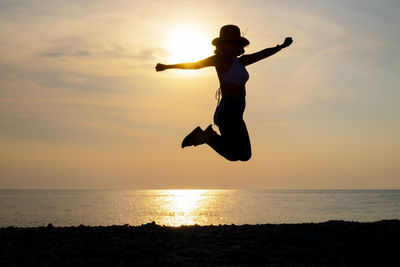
{"points": [[244, 143], [233, 143]]}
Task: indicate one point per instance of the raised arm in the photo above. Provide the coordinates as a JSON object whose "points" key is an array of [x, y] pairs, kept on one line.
{"points": [[252, 58], [207, 62]]}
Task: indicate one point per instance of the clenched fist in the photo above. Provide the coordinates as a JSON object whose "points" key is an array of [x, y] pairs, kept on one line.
{"points": [[160, 67], [288, 41]]}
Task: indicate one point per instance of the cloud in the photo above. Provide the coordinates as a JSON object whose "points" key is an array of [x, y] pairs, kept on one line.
{"points": [[80, 53], [81, 46]]}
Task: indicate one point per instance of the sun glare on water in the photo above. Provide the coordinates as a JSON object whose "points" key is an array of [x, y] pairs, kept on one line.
{"points": [[184, 207], [187, 43]]}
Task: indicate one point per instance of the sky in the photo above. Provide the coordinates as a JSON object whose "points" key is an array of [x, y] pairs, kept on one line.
{"points": [[81, 106]]}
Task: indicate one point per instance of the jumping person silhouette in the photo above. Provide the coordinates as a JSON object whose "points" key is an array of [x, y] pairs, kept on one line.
{"points": [[233, 143]]}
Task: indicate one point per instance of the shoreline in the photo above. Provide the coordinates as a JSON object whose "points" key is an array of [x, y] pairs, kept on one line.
{"points": [[318, 244], [153, 223]]}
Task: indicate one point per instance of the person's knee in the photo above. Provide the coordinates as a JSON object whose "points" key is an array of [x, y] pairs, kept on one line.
{"points": [[245, 153], [232, 156], [242, 156], [245, 157]]}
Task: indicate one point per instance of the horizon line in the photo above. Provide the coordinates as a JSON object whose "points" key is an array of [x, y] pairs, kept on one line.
{"points": [[205, 189]]}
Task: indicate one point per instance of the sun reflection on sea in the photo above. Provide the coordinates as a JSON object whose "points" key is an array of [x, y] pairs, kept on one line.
{"points": [[184, 207]]}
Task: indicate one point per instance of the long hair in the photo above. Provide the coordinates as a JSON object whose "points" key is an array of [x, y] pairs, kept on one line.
{"points": [[219, 49]]}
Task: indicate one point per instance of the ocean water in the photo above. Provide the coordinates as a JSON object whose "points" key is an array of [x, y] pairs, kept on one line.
{"points": [[187, 207]]}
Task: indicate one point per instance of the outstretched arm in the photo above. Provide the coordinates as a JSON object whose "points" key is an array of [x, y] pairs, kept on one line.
{"points": [[210, 61], [252, 58]]}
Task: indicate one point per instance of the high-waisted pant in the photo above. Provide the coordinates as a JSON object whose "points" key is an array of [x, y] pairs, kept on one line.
{"points": [[234, 141]]}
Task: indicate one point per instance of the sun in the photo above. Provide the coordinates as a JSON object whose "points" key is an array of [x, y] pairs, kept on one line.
{"points": [[187, 43]]}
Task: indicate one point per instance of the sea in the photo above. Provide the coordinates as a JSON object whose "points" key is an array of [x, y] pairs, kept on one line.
{"points": [[32, 208]]}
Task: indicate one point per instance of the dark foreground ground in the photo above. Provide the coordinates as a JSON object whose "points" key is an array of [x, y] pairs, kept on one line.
{"points": [[334, 243]]}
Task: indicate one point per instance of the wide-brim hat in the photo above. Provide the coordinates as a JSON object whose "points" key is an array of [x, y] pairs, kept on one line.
{"points": [[230, 33]]}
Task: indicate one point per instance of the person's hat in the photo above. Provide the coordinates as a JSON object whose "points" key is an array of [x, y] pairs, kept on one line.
{"points": [[230, 33]]}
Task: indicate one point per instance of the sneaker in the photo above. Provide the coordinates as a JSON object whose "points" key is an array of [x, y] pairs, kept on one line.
{"points": [[209, 133], [209, 130], [192, 139]]}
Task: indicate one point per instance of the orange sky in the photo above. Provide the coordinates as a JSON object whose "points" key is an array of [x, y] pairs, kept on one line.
{"points": [[82, 107]]}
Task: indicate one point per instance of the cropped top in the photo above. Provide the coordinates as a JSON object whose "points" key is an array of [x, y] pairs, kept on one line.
{"points": [[237, 74]]}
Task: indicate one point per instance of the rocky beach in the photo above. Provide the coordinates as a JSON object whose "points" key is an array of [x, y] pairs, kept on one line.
{"points": [[332, 243]]}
